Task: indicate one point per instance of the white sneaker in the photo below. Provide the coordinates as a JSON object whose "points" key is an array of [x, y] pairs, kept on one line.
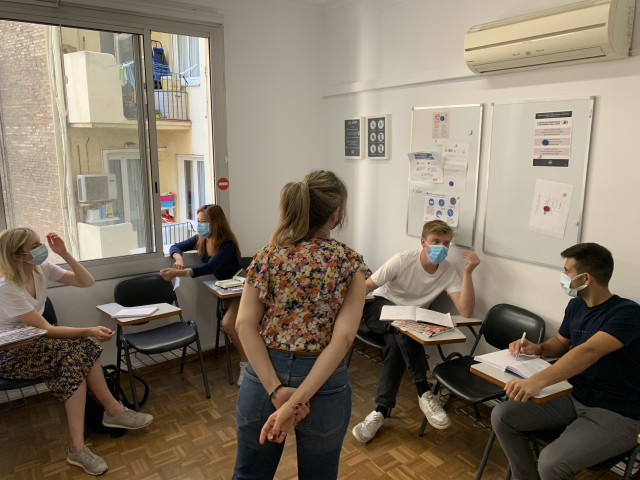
{"points": [[436, 416], [368, 428], [243, 369]]}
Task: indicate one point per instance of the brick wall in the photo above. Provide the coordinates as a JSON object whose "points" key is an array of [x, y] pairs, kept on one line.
{"points": [[27, 115]]}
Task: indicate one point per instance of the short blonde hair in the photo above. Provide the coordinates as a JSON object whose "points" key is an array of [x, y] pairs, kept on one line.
{"points": [[11, 241], [438, 227]]}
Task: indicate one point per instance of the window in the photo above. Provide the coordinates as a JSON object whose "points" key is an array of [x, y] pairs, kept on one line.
{"points": [[187, 59], [83, 153], [193, 174]]}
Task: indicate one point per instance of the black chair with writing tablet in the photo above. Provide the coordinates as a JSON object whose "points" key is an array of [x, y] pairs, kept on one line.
{"points": [[7, 384], [503, 324], [147, 290]]}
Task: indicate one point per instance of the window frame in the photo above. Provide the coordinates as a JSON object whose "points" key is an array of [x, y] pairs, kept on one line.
{"points": [[103, 18]]}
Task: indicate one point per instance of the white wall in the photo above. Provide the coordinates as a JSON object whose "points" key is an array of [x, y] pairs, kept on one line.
{"points": [[400, 54]]}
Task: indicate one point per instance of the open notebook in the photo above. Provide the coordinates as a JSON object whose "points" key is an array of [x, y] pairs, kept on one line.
{"points": [[526, 366]]}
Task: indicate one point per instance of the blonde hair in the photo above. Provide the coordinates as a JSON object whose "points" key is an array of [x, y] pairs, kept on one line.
{"points": [[11, 241], [438, 227], [307, 206]]}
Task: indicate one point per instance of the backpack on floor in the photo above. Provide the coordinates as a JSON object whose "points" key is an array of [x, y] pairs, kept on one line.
{"points": [[94, 411]]}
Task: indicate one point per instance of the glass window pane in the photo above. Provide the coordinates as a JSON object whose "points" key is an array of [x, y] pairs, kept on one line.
{"points": [[74, 107]]}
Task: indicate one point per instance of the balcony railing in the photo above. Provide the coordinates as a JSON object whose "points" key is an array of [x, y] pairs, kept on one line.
{"points": [[172, 99], [176, 232]]}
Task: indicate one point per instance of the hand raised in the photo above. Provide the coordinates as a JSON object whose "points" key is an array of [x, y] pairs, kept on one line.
{"points": [[472, 261], [56, 244]]}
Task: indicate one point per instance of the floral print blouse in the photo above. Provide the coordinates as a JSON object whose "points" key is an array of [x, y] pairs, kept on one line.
{"points": [[303, 287]]}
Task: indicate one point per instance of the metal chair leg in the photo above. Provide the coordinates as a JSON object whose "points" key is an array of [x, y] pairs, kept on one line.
{"points": [[422, 427], [127, 359], [228, 355], [204, 374], [485, 455]]}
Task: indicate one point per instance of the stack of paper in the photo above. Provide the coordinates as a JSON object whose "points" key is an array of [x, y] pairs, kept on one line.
{"points": [[135, 312]]}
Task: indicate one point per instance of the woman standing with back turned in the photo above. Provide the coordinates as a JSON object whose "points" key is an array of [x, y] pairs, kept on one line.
{"points": [[299, 314]]}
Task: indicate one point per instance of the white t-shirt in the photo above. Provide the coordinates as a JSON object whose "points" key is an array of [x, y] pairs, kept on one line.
{"points": [[15, 300], [403, 281]]}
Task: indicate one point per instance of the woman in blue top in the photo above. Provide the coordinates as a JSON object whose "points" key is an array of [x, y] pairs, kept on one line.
{"points": [[218, 248]]}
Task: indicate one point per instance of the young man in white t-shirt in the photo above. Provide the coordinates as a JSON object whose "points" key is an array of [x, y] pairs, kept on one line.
{"points": [[414, 278]]}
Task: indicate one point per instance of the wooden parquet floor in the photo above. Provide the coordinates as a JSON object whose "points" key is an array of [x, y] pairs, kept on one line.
{"points": [[194, 438]]}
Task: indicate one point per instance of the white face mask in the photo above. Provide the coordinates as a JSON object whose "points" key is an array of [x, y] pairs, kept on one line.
{"points": [[565, 283]]}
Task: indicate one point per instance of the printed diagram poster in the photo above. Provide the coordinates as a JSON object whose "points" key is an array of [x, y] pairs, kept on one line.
{"points": [[552, 139], [455, 158], [440, 125], [442, 206], [426, 167], [550, 208]]}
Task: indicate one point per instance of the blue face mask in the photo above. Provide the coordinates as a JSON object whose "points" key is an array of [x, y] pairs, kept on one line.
{"points": [[437, 253], [565, 283], [39, 255], [203, 230]]}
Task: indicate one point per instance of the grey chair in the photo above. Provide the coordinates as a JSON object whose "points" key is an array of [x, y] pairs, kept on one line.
{"points": [[8, 384], [503, 324], [146, 290]]}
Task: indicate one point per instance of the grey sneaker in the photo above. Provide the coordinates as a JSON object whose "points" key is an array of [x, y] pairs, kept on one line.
{"points": [[89, 461], [368, 428], [243, 369], [436, 416], [127, 419]]}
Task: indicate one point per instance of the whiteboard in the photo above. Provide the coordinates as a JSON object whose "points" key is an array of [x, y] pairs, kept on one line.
{"points": [[535, 181], [448, 127]]}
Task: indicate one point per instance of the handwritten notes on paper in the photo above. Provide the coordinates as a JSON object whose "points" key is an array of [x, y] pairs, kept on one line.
{"points": [[550, 208]]}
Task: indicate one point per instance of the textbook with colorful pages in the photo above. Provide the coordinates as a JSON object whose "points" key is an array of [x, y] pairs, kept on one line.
{"points": [[421, 328], [525, 366]]}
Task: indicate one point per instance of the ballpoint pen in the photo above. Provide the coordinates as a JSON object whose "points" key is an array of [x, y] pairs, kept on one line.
{"points": [[524, 334]]}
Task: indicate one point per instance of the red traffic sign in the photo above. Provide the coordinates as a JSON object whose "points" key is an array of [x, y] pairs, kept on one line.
{"points": [[223, 183]]}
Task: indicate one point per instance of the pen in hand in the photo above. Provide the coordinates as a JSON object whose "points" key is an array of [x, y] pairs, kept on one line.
{"points": [[524, 334]]}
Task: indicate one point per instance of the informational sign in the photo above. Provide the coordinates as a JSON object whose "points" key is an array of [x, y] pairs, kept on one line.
{"points": [[378, 136], [552, 139], [440, 125], [223, 183], [439, 206], [353, 138]]}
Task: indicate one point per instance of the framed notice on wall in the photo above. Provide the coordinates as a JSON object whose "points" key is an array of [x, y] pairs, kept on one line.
{"points": [[353, 134], [378, 129]]}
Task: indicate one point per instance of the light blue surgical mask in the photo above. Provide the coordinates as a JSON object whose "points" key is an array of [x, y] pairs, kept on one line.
{"points": [[203, 230], [39, 255], [437, 253], [565, 283]]}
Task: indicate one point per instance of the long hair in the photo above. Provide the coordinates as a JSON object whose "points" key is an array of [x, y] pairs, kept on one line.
{"points": [[306, 206], [12, 241], [219, 228]]}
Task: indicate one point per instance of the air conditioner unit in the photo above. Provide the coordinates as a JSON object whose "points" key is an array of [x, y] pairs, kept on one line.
{"points": [[586, 31], [97, 187]]}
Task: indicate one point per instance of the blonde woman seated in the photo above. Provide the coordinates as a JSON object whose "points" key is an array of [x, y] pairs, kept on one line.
{"points": [[66, 358]]}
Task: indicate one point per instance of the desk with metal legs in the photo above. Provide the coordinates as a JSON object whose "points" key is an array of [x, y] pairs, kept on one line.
{"points": [[223, 294]]}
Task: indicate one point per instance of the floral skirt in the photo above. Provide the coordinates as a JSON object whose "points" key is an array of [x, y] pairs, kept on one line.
{"points": [[63, 363]]}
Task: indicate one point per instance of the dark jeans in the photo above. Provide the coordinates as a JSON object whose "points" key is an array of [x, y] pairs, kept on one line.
{"points": [[318, 436], [400, 352]]}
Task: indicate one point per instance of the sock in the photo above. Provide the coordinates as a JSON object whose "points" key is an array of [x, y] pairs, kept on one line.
{"points": [[422, 387], [383, 410]]}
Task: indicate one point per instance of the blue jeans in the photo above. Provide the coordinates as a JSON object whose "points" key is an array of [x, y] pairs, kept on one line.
{"points": [[319, 435]]}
